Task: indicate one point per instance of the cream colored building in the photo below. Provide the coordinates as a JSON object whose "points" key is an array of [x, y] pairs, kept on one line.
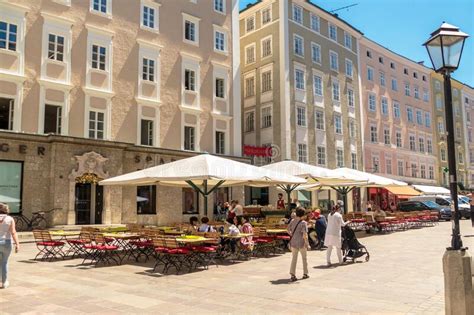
{"points": [[468, 108], [154, 74], [300, 83]]}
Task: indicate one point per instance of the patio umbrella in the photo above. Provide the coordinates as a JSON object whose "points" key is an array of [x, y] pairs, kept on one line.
{"points": [[204, 173], [315, 176]]}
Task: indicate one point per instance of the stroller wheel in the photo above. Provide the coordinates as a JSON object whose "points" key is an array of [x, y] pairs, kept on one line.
{"points": [[367, 258]]}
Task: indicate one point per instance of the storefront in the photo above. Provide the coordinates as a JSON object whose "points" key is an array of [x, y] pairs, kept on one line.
{"points": [[42, 172], [388, 198]]}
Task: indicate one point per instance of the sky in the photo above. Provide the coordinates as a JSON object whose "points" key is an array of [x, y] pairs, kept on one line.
{"points": [[404, 25]]}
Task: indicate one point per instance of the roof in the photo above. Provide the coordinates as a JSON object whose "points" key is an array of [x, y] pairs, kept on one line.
{"points": [[250, 5], [431, 190]]}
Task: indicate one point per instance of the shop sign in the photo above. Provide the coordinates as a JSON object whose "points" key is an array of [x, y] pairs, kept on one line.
{"points": [[22, 149]]}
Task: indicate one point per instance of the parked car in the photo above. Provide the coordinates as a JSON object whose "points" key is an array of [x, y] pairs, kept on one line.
{"points": [[445, 201], [444, 212]]}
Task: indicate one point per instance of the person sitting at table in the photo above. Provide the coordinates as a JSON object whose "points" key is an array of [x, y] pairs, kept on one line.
{"points": [[379, 212], [232, 230], [246, 242], [205, 227], [193, 221]]}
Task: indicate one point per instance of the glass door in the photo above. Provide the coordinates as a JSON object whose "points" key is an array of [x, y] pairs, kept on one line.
{"points": [[83, 203]]}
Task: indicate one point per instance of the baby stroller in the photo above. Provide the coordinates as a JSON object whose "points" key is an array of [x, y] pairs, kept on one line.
{"points": [[351, 248]]}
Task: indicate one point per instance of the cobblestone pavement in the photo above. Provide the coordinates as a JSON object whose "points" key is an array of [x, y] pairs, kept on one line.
{"points": [[404, 276]]}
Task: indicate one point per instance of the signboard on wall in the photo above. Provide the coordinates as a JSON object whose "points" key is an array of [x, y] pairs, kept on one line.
{"points": [[10, 184]]}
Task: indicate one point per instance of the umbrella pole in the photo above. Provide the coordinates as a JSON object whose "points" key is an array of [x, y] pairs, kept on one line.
{"points": [[206, 192], [205, 196]]}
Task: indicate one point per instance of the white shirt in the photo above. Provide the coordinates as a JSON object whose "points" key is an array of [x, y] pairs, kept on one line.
{"points": [[333, 230], [5, 227], [239, 211]]}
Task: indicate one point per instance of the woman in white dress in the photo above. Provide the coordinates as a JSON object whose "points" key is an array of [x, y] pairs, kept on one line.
{"points": [[333, 234]]}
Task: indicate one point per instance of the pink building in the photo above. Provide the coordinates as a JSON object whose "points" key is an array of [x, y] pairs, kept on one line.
{"points": [[397, 117]]}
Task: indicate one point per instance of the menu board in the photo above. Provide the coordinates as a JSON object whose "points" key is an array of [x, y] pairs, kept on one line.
{"points": [[10, 184]]}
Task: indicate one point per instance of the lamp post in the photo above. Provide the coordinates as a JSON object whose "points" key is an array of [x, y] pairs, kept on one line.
{"points": [[445, 48]]}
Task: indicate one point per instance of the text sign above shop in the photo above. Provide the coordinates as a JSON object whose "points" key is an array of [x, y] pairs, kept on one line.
{"points": [[22, 148]]}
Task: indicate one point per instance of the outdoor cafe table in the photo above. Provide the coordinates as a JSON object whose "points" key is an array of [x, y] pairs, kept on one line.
{"points": [[277, 231], [194, 240], [122, 240], [174, 232], [238, 236], [63, 235]]}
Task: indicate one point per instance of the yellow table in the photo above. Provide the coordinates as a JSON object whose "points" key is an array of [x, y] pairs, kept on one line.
{"points": [[164, 228], [193, 240], [174, 232], [64, 233], [241, 235], [122, 235], [277, 231]]}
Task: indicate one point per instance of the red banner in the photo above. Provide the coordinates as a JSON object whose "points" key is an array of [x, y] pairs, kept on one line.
{"points": [[251, 150]]}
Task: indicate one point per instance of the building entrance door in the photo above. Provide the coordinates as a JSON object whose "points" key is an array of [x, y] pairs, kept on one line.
{"points": [[89, 203]]}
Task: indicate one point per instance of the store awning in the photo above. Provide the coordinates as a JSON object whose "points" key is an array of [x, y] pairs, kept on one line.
{"points": [[431, 190], [403, 192], [302, 197]]}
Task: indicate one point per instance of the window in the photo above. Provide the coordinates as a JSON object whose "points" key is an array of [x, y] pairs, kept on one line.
{"points": [[429, 146], [369, 54], [190, 31], [352, 128], [219, 41], [350, 98], [333, 32], [386, 136], [299, 79], [388, 166], [318, 85], [190, 201], [381, 60], [189, 138], [349, 68], [315, 23], [354, 160], [220, 142], [396, 110], [347, 40], [375, 164], [249, 86], [415, 75], [266, 47], [266, 15], [250, 24], [301, 116], [440, 127], [249, 121], [315, 53], [220, 88], [335, 91], [419, 117], [405, 71], [146, 199], [298, 45], [426, 97], [333, 61], [373, 134], [370, 74], [458, 132], [6, 114], [98, 57], [100, 6], [148, 18], [392, 65], [469, 135], [52, 119], [321, 155], [423, 77], [438, 85], [266, 81], [400, 168], [146, 132], [407, 89], [439, 102], [55, 47], [266, 117], [413, 170], [8, 36], [338, 124], [412, 143], [250, 54], [302, 153], [148, 70], [189, 80], [427, 120], [319, 120], [298, 14], [443, 154], [96, 125], [399, 139], [421, 145], [384, 106], [430, 172], [394, 84], [416, 92], [339, 158], [382, 79], [410, 114], [219, 5], [372, 103]]}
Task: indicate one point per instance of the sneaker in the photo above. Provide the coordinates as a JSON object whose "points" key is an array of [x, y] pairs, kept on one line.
{"points": [[305, 276], [293, 278], [6, 284]]}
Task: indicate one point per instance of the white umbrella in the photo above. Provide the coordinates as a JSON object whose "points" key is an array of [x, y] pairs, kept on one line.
{"points": [[204, 173], [372, 180]]}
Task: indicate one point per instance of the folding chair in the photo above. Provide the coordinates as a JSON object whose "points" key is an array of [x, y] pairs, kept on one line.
{"points": [[48, 248]]}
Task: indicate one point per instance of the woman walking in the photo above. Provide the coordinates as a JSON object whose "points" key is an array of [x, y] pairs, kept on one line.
{"points": [[333, 234], [7, 232], [298, 230]]}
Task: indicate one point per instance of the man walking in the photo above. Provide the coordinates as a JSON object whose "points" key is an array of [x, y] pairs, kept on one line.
{"points": [[298, 230]]}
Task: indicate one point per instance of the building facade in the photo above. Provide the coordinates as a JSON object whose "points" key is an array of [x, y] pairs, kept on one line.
{"points": [[468, 108], [437, 88], [399, 134], [148, 74]]}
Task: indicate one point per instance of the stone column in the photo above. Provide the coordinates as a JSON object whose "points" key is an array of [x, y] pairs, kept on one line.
{"points": [[458, 293]]}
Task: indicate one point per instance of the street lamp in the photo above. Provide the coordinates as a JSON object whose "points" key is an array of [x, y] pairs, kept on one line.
{"points": [[445, 49]]}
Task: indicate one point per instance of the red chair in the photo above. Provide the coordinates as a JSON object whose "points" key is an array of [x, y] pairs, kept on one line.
{"points": [[49, 249], [100, 251]]}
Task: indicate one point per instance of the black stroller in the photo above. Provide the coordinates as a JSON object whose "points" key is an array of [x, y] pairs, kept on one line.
{"points": [[351, 248]]}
